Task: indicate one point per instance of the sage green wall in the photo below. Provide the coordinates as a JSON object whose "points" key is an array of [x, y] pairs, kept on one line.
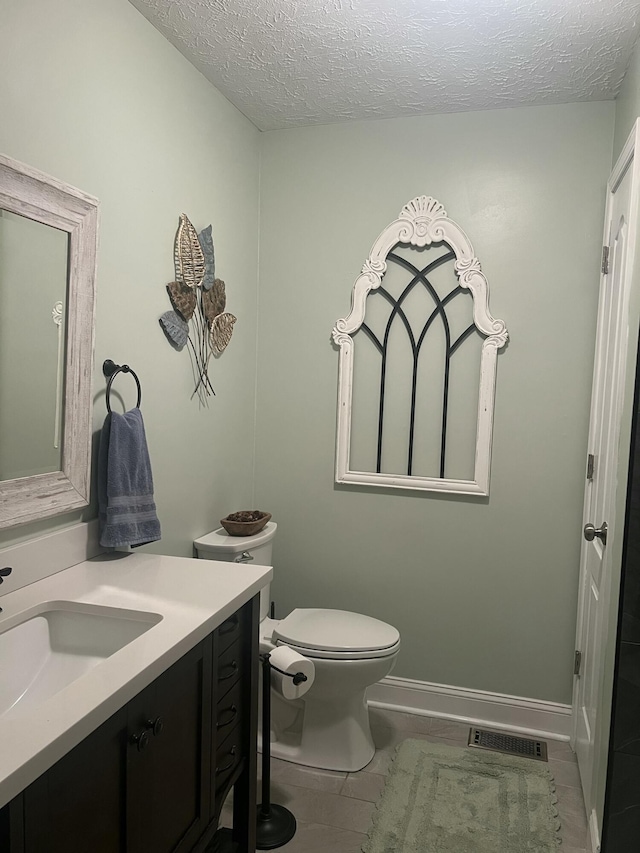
{"points": [[483, 591], [92, 94], [627, 102]]}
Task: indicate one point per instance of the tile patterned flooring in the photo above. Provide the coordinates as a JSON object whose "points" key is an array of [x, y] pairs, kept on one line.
{"points": [[334, 810]]}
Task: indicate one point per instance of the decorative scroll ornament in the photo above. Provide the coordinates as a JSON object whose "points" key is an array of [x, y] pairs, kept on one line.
{"points": [[57, 315], [421, 213], [423, 221], [374, 270], [57, 312], [198, 299]]}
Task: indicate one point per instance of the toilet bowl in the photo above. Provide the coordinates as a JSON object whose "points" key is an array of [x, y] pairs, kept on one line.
{"points": [[329, 726]]}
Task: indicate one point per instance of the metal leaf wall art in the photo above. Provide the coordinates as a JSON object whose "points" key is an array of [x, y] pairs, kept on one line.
{"points": [[198, 319]]}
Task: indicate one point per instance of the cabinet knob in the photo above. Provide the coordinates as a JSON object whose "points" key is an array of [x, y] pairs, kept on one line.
{"points": [[141, 740], [155, 726]]}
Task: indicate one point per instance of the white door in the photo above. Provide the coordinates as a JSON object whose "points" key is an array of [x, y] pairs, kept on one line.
{"points": [[606, 405]]}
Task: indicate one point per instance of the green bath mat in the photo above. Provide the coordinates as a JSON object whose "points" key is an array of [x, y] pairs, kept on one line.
{"points": [[446, 799]]}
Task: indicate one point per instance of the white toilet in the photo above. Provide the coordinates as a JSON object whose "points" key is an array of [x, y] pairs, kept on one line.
{"points": [[329, 726]]}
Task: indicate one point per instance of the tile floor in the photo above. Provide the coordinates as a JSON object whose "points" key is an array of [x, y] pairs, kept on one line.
{"points": [[334, 810]]}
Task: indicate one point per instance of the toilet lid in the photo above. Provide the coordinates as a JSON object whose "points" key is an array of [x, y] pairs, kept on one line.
{"points": [[337, 632]]}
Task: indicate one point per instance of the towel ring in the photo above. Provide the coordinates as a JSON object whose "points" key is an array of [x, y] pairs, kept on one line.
{"points": [[111, 369]]}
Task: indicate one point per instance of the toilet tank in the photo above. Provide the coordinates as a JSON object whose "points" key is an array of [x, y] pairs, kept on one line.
{"points": [[241, 550]]}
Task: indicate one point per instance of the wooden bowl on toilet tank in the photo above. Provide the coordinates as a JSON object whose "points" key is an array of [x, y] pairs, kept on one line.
{"points": [[246, 522]]}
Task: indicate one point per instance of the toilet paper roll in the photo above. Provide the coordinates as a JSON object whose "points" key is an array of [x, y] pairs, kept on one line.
{"points": [[290, 662]]}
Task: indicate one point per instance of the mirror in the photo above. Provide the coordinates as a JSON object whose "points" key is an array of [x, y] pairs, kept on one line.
{"points": [[33, 298], [48, 243]]}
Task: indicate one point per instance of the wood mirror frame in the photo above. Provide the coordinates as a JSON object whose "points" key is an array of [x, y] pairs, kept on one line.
{"points": [[30, 193]]}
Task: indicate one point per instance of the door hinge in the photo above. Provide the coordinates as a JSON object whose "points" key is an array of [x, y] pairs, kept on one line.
{"points": [[577, 663], [591, 462], [605, 260]]}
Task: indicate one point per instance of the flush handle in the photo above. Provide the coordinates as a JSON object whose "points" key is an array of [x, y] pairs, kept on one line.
{"points": [[591, 532], [245, 557]]}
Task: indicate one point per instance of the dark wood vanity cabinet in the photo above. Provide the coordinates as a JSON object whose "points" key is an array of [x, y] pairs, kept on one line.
{"points": [[169, 758], [77, 805], [153, 778]]}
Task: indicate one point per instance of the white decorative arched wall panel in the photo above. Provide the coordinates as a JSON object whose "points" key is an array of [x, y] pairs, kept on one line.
{"points": [[422, 224]]}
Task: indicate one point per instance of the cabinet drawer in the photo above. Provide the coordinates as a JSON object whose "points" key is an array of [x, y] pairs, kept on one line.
{"points": [[229, 669], [230, 630], [228, 758], [229, 711]]}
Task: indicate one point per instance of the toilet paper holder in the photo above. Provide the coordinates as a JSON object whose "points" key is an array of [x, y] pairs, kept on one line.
{"points": [[298, 677], [276, 825]]}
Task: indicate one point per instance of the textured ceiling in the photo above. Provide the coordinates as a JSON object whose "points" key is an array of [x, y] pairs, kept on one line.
{"points": [[299, 62]]}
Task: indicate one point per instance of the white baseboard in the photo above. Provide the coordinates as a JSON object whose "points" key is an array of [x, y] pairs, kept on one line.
{"points": [[494, 710], [594, 833]]}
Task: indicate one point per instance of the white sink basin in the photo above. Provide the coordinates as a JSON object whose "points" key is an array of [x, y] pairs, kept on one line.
{"points": [[45, 648]]}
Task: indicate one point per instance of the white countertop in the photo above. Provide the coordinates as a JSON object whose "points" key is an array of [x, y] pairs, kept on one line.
{"points": [[192, 596]]}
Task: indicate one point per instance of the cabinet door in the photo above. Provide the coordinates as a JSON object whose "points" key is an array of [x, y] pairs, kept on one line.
{"points": [[168, 757], [78, 805], [12, 826]]}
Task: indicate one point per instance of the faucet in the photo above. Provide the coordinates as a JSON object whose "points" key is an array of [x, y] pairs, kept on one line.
{"points": [[3, 574]]}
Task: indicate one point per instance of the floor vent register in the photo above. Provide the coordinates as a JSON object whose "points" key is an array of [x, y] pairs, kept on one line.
{"points": [[509, 744]]}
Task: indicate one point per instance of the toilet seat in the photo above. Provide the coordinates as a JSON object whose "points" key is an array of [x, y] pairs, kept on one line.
{"points": [[336, 635]]}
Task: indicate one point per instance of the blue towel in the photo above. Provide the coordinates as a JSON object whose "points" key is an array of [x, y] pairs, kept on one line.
{"points": [[127, 510]]}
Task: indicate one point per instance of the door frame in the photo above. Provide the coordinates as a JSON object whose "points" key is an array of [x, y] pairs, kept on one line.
{"points": [[629, 159]]}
